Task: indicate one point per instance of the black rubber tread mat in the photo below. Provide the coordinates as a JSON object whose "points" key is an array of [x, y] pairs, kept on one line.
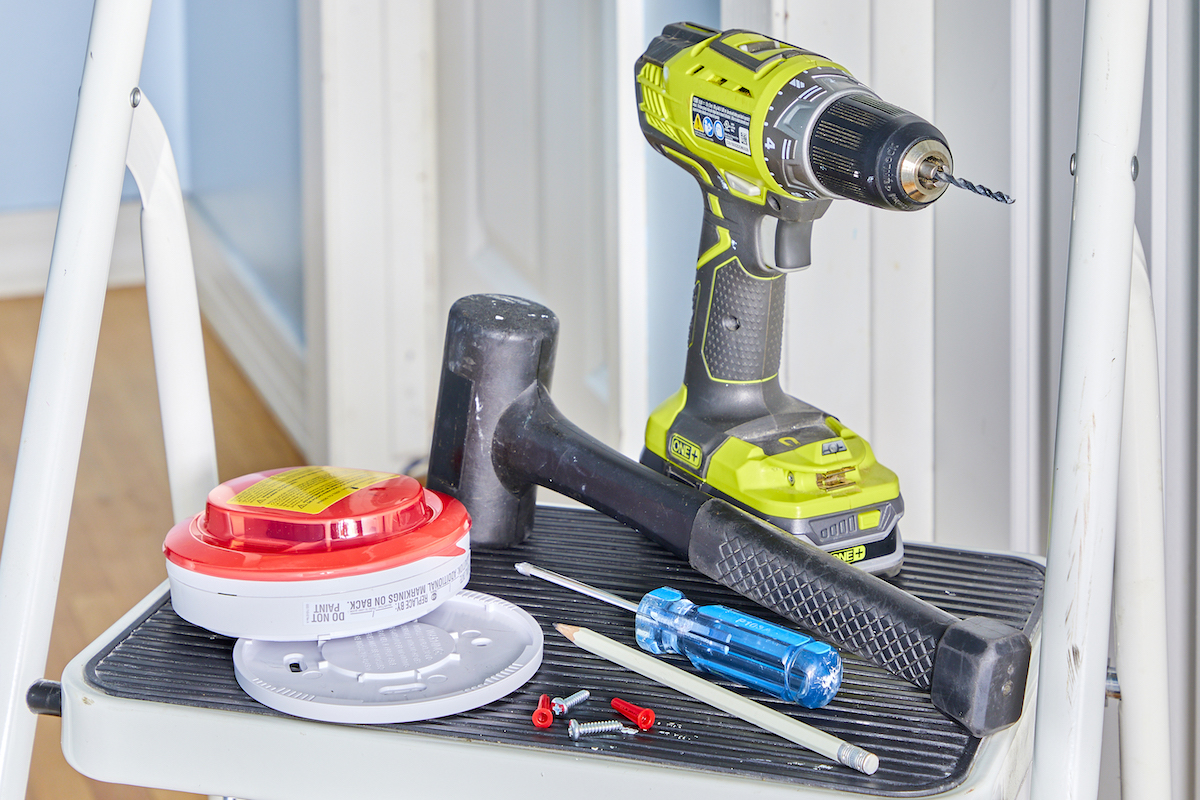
{"points": [[162, 658]]}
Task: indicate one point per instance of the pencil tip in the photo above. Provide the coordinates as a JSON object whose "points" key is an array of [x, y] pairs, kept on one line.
{"points": [[568, 631]]}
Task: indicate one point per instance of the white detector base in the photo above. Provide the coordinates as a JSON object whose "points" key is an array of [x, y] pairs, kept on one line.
{"points": [[472, 650], [311, 609]]}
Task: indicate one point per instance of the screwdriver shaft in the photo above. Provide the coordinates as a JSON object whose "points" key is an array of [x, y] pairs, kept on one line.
{"points": [[525, 568]]}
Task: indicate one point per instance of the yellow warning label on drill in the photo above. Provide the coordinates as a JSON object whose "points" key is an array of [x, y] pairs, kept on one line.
{"points": [[721, 124], [307, 490]]}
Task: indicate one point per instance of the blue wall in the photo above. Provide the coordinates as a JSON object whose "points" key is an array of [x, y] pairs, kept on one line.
{"points": [[243, 68], [41, 61], [225, 78], [41, 64]]}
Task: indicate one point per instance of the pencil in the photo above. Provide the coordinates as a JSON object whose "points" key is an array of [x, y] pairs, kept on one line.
{"points": [[696, 687]]}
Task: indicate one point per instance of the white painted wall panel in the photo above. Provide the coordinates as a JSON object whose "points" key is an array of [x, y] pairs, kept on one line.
{"points": [[903, 280], [371, 231], [526, 172], [1174, 254], [972, 283]]}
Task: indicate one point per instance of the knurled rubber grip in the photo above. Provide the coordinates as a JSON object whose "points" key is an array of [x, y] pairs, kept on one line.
{"points": [[743, 326], [848, 607]]}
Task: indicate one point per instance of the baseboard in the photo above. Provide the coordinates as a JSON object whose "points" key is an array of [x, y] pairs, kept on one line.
{"points": [[27, 240], [250, 329]]}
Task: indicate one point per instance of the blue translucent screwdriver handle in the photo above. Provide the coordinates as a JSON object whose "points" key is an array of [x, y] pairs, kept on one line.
{"points": [[753, 652]]}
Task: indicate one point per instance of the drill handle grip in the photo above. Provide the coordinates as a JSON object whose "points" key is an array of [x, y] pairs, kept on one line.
{"points": [[736, 334]]}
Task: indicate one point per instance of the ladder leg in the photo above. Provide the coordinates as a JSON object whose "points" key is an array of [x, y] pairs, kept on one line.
{"points": [[1139, 590], [174, 307], [52, 433], [1079, 566]]}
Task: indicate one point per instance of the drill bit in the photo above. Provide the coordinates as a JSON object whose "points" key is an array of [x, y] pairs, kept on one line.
{"points": [[940, 174]]}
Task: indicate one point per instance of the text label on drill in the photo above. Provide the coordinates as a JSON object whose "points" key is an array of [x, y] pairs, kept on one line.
{"points": [[721, 125], [851, 554], [687, 452]]}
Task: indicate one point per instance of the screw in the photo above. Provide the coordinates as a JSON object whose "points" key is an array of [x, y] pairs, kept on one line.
{"points": [[577, 729], [644, 717], [562, 705]]}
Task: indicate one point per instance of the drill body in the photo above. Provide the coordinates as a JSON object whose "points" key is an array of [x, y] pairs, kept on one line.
{"points": [[773, 133]]}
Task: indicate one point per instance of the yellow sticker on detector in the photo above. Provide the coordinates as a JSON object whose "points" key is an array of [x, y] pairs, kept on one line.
{"points": [[307, 490]]}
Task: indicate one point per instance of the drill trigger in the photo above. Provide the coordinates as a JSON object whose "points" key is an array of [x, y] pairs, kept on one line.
{"points": [[793, 244]]}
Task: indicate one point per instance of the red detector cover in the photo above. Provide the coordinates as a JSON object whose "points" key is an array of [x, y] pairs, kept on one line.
{"points": [[316, 522]]}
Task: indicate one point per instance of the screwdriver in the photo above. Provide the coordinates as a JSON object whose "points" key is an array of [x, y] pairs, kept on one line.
{"points": [[753, 652]]}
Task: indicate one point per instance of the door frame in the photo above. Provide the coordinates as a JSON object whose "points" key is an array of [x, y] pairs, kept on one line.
{"points": [[370, 222]]}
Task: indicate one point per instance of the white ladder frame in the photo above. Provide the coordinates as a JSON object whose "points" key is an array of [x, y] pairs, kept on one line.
{"points": [[1096, 458], [115, 127]]}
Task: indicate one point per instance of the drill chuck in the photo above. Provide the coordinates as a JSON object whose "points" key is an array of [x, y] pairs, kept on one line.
{"points": [[871, 151], [853, 145]]}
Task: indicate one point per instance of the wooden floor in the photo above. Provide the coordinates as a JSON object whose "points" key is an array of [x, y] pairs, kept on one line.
{"points": [[122, 508]]}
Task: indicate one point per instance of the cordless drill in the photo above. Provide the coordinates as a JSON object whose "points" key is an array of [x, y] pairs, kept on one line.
{"points": [[773, 133]]}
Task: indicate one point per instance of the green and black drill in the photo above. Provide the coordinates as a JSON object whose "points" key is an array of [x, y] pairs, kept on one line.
{"points": [[773, 133]]}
